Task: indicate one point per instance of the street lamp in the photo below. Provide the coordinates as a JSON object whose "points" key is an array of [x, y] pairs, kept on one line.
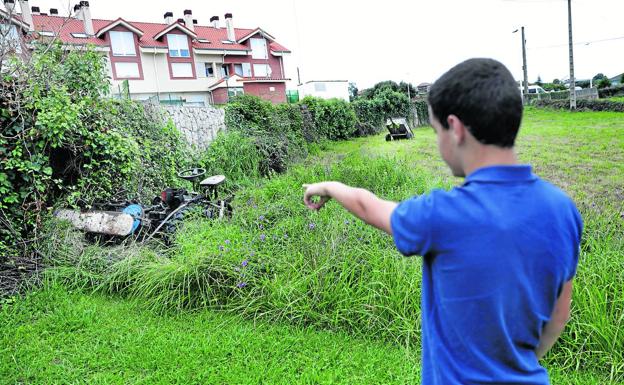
{"points": [[524, 68]]}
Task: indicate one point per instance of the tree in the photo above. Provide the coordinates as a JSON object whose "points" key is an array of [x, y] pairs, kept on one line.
{"points": [[598, 77], [604, 83], [539, 81], [556, 81], [407, 88], [353, 91], [622, 79]]}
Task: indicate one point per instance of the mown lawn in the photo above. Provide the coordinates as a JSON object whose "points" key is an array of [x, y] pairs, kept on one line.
{"points": [[347, 303], [56, 336]]}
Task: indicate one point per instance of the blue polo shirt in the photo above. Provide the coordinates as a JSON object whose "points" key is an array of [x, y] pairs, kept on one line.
{"points": [[497, 251]]}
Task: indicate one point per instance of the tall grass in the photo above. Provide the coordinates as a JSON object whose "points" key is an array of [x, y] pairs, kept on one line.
{"points": [[276, 260]]}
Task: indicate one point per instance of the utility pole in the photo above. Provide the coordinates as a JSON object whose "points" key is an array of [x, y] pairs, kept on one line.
{"points": [[524, 68], [572, 80]]}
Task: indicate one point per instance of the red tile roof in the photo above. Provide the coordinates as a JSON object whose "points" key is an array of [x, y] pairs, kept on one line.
{"points": [[66, 26]]}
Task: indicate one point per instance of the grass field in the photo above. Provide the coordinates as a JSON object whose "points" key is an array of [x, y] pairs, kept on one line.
{"points": [[280, 263]]}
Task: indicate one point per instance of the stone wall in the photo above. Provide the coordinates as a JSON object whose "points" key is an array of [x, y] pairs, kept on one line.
{"points": [[199, 125]]}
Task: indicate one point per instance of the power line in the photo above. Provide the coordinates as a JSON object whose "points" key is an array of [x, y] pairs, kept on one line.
{"points": [[579, 43]]}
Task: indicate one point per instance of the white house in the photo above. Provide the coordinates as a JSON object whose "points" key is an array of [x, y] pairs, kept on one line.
{"points": [[326, 89]]}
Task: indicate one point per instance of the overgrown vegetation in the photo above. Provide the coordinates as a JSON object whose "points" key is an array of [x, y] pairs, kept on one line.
{"points": [[64, 142], [278, 261]]}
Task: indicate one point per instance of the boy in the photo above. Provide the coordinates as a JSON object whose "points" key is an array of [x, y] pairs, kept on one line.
{"points": [[500, 251]]}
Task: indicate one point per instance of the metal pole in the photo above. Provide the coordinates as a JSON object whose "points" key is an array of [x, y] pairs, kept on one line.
{"points": [[524, 68], [572, 80]]}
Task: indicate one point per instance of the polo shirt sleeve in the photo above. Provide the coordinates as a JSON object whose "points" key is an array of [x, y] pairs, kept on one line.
{"points": [[411, 223], [577, 233]]}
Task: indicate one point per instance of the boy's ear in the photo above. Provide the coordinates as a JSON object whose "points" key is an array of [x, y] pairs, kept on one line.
{"points": [[458, 129]]}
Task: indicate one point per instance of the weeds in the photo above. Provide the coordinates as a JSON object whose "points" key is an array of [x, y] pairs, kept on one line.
{"points": [[275, 260]]}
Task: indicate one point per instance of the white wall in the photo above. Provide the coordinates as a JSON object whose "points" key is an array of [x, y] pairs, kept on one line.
{"points": [[325, 90]]}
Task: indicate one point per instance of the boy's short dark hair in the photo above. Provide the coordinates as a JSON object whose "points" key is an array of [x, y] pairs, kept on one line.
{"points": [[484, 95]]}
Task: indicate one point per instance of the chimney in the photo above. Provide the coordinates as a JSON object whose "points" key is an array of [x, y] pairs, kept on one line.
{"points": [[54, 12], [35, 10], [214, 21], [26, 15], [10, 6], [188, 19], [78, 12], [229, 24], [169, 18], [86, 18]]}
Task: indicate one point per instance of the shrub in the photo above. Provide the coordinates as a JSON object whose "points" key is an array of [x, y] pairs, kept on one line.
{"points": [[582, 105], [276, 131], [63, 142], [369, 116], [611, 91], [334, 119], [421, 112]]}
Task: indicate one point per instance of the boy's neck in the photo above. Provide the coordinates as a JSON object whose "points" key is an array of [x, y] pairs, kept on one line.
{"points": [[488, 155]]}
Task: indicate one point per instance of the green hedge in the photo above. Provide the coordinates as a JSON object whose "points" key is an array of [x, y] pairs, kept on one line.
{"points": [[334, 118], [611, 91], [582, 105], [370, 116]]}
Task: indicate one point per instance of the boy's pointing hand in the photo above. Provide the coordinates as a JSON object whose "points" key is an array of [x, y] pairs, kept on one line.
{"points": [[315, 190]]}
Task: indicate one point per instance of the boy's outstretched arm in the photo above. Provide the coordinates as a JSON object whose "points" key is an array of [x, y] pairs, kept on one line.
{"points": [[361, 203], [558, 320]]}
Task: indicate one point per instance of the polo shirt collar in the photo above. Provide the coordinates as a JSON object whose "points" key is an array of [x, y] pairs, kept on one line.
{"points": [[507, 173]]}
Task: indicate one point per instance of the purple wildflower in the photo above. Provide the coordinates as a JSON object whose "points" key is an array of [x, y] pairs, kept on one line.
{"points": [[221, 248], [227, 242], [261, 226], [251, 254], [241, 285], [245, 263], [285, 236], [261, 218], [311, 226], [346, 222], [262, 237]]}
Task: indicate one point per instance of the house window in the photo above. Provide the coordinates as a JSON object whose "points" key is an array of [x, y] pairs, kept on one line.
{"points": [[243, 69], [205, 70], [247, 70], [238, 69], [122, 43], [182, 70], [259, 49], [9, 32], [208, 70], [225, 70], [320, 87], [262, 70], [127, 70], [178, 45], [234, 91]]}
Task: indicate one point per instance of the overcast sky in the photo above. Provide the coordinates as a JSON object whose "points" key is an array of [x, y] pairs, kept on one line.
{"points": [[369, 41]]}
